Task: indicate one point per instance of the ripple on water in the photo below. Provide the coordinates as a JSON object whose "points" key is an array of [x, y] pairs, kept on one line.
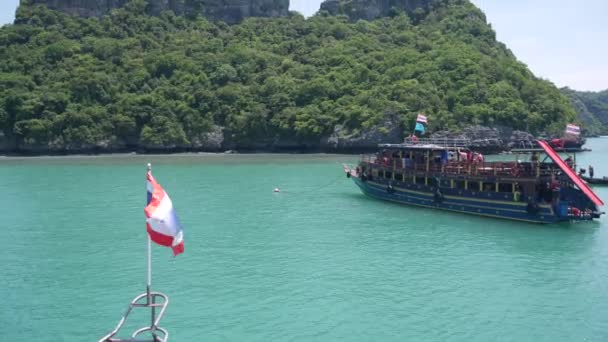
{"points": [[309, 263]]}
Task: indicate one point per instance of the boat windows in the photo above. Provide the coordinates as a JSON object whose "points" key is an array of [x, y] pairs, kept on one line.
{"points": [[432, 182], [399, 177], [489, 187], [420, 180], [505, 187], [388, 175], [459, 184], [474, 186]]}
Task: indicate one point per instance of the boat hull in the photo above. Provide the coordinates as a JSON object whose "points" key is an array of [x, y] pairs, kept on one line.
{"points": [[422, 196], [596, 181]]}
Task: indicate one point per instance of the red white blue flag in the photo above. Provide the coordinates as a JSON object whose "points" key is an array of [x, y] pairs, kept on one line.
{"points": [[162, 223], [421, 118], [573, 129]]}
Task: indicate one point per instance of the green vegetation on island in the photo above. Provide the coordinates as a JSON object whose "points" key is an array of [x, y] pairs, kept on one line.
{"points": [[130, 81]]}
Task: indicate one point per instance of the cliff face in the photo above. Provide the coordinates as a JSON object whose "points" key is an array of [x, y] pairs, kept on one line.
{"points": [[229, 11], [591, 107], [372, 9]]}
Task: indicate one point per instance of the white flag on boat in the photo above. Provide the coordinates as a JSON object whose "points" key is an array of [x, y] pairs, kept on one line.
{"points": [[162, 223], [573, 129], [421, 118]]}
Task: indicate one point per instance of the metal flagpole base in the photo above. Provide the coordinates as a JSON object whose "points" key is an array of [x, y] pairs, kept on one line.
{"points": [[151, 300]]}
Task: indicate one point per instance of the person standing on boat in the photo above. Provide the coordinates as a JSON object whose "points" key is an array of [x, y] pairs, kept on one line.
{"points": [[591, 171], [470, 156], [517, 193], [534, 160], [569, 162], [555, 191]]}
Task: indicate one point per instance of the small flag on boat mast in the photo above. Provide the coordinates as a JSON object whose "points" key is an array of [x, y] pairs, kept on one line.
{"points": [[162, 223], [421, 118], [420, 121], [573, 129]]}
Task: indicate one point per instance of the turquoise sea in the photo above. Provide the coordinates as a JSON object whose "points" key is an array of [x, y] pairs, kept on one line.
{"points": [[317, 262]]}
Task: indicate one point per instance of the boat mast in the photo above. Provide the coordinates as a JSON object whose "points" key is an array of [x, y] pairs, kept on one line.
{"points": [[149, 298]]}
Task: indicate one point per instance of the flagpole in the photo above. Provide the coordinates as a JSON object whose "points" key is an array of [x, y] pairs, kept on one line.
{"points": [[149, 280], [150, 299]]}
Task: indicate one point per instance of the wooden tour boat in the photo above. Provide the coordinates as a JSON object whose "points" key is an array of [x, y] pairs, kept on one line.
{"points": [[449, 176]]}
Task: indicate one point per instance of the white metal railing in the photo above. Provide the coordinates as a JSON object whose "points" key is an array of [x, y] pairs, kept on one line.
{"points": [[158, 334]]}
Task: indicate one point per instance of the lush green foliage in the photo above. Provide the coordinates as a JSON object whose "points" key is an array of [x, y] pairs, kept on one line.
{"points": [[132, 80]]}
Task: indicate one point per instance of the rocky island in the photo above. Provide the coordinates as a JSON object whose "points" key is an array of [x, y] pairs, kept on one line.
{"points": [[231, 11], [84, 76]]}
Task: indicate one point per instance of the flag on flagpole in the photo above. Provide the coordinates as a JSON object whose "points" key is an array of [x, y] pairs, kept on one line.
{"points": [[573, 129], [162, 223], [421, 118]]}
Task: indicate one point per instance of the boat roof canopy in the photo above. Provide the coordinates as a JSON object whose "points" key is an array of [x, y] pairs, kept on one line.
{"points": [[421, 147]]}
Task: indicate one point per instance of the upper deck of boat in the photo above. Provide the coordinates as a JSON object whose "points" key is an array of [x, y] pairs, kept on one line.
{"points": [[431, 144]]}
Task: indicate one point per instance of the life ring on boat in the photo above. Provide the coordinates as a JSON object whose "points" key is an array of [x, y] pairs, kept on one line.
{"points": [[532, 208], [515, 171], [348, 174], [438, 196], [390, 189], [364, 177]]}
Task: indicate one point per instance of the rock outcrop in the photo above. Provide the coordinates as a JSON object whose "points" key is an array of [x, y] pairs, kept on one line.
{"points": [[372, 9], [229, 11], [345, 140]]}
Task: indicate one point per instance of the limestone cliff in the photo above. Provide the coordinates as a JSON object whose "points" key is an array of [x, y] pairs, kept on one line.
{"points": [[372, 9], [592, 109], [229, 11]]}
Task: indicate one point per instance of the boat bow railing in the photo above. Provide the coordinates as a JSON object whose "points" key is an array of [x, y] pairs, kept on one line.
{"points": [[152, 301]]}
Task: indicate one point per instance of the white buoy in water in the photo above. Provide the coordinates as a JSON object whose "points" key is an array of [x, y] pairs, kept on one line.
{"points": [[277, 190]]}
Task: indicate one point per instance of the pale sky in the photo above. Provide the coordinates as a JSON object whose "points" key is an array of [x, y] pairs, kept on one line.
{"points": [[564, 41]]}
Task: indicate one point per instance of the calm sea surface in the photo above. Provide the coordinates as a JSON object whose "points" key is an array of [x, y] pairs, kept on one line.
{"points": [[316, 262]]}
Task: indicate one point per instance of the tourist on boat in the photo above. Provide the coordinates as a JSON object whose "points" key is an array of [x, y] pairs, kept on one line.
{"points": [[517, 193], [569, 162], [534, 160], [555, 191], [591, 171], [470, 156], [545, 192], [462, 156], [408, 163], [445, 157]]}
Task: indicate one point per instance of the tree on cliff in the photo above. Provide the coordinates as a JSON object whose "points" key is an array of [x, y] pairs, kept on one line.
{"points": [[136, 81]]}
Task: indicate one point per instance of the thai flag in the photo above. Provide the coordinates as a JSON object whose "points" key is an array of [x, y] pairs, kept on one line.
{"points": [[573, 129], [421, 118], [162, 223]]}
